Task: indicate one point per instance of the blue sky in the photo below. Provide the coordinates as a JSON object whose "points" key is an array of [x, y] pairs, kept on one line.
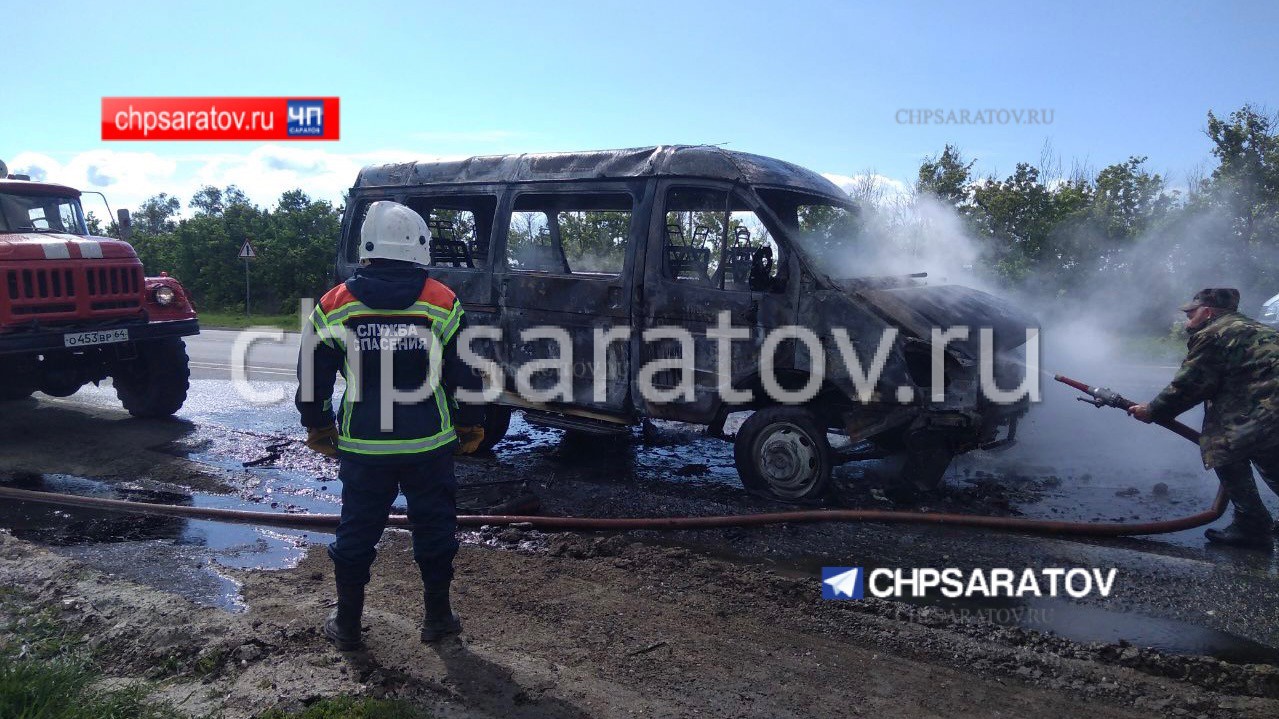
{"points": [[817, 83]]}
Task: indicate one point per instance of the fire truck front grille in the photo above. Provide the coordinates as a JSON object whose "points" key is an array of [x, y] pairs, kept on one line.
{"points": [[40, 284], [43, 309], [56, 294], [107, 281]]}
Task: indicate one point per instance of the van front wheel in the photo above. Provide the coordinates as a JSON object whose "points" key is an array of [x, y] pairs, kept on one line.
{"points": [[784, 451]]}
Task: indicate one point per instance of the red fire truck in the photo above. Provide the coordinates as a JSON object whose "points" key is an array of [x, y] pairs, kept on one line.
{"points": [[75, 308]]}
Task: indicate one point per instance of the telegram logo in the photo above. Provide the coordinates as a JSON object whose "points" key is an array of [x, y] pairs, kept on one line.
{"points": [[842, 582]]}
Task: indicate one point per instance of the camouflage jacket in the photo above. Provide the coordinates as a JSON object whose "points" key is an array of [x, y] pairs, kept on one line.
{"points": [[1233, 368]]}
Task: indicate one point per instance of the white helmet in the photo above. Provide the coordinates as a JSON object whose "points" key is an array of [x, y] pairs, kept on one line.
{"points": [[392, 231]]}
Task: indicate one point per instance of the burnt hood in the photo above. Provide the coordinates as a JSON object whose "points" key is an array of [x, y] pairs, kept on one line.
{"points": [[919, 309]]}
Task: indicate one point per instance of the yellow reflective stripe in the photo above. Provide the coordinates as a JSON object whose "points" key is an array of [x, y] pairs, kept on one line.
{"points": [[322, 329], [351, 383], [452, 323], [396, 446], [358, 309], [442, 404]]}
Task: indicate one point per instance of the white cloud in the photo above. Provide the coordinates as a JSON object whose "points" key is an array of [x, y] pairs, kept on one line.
{"points": [[873, 187], [264, 173]]}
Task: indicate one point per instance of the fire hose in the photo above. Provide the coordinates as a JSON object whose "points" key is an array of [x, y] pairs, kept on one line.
{"points": [[1099, 396]]}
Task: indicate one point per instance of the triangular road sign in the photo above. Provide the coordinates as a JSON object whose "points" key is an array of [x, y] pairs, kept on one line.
{"points": [[246, 251]]}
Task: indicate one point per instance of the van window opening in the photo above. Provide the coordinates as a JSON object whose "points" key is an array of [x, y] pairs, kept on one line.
{"points": [[460, 228], [584, 234], [713, 238]]}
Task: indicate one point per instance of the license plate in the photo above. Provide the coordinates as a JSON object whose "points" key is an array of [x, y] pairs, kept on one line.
{"points": [[103, 337]]}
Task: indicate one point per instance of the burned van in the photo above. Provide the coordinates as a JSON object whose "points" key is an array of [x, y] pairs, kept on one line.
{"points": [[689, 283]]}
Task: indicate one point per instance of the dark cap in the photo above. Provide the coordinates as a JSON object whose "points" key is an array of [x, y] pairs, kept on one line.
{"points": [[1223, 298]]}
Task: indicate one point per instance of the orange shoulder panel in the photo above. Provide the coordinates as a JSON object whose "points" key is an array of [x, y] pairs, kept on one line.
{"points": [[437, 293], [336, 297]]}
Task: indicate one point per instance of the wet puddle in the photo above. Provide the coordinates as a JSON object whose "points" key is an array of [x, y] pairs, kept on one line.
{"points": [[186, 556]]}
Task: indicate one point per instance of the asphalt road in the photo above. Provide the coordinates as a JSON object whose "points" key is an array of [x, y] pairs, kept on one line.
{"points": [[268, 356]]}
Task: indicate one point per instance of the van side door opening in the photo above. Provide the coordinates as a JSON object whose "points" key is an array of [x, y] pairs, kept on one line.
{"points": [[568, 255]]}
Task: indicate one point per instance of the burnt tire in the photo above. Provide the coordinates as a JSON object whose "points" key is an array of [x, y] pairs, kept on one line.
{"points": [[784, 451], [927, 457], [156, 383], [497, 422]]}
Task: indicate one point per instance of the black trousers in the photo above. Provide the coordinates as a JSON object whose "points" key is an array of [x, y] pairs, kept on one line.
{"points": [[1242, 489], [368, 491]]}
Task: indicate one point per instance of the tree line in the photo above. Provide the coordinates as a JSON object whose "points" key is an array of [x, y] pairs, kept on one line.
{"points": [[1123, 235], [294, 242]]}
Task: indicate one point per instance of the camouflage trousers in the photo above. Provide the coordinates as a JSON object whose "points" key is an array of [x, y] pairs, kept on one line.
{"points": [[1242, 489]]}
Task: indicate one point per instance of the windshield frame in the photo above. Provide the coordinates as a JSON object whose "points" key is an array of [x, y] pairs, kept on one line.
{"points": [[13, 203], [792, 231]]}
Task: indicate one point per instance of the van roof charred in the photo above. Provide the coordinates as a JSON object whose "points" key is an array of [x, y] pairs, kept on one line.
{"points": [[704, 161]]}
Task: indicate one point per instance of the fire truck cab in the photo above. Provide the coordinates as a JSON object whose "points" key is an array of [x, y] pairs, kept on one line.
{"points": [[76, 308]]}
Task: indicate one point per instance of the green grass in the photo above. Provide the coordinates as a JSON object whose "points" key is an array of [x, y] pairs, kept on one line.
{"points": [[61, 688], [237, 320], [347, 707], [1167, 348], [45, 673]]}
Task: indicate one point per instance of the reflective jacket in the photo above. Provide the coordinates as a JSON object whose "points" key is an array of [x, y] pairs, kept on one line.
{"points": [[396, 310]]}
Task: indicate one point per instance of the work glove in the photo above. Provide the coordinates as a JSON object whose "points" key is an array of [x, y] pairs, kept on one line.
{"points": [[469, 439], [323, 440]]}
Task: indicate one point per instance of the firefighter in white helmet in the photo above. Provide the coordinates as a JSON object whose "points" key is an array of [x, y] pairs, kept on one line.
{"points": [[390, 305]]}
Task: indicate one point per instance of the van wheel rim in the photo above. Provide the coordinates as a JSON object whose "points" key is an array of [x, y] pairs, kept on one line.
{"points": [[788, 458]]}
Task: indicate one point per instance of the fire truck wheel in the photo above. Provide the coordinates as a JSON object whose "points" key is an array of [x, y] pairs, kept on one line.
{"points": [[156, 383]]}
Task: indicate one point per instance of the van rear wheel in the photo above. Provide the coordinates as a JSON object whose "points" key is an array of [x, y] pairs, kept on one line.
{"points": [[784, 451]]}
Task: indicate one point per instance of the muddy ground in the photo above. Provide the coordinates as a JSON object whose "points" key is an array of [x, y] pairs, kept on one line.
{"points": [[610, 628], [722, 623]]}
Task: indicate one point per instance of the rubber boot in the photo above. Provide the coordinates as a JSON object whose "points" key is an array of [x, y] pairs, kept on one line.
{"points": [[343, 625], [440, 621], [1251, 519], [1241, 535]]}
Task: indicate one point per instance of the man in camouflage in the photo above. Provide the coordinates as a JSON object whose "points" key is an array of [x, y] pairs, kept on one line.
{"points": [[1233, 368]]}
